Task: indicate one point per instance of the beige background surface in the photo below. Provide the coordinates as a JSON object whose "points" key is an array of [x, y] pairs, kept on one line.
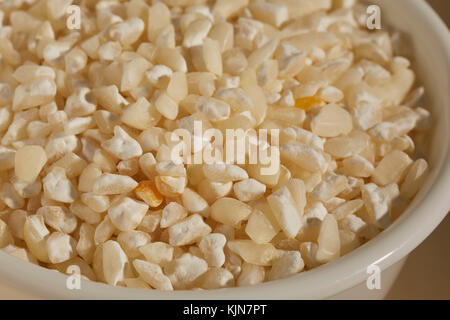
{"points": [[426, 274]]}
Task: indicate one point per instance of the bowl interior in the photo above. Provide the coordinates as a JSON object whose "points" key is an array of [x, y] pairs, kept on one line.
{"points": [[429, 40]]}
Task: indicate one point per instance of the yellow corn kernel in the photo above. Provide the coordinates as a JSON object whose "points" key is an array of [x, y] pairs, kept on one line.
{"points": [[307, 103], [146, 190]]}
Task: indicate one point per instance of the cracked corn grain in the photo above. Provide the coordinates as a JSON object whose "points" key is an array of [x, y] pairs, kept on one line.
{"points": [[87, 116]]}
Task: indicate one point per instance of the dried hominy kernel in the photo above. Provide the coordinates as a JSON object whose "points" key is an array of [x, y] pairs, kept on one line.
{"points": [[378, 202], [212, 246], [5, 235], [251, 274], [29, 162], [184, 270], [188, 231], [104, 231], [248, 190], [58, 187], [304, 156], [122, 145], [414, 179], [157, 252], [287, 204], [60, 247], [132, 241], [259, 254], [85, 213], [216, 278], [171, 214], [59, 218], [328, 240], [357, 167], [194, 203], [287, 265], [230, 211], [347, 208], [330, 187], [332, 121], [35, 235], [114, 262], [126, 213], [259, 228], [152, 274], [108, 184], [392, 168]]}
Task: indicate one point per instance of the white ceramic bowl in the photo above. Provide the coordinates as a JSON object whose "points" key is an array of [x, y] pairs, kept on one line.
{"points": [[347, 276]]}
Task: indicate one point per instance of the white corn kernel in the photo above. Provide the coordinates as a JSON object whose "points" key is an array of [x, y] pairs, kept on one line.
{"points": [[287, 265], [185, 270], [85, 245], [196, 32], [248, 190], [212, 246], [59, 218], [213, 109], [132, 241], [58, 187], [126, 214], [332, 121], [414, 179], [122, 145], [127, 32], [222, 172], [378, 202], [330, 187], [152, 274], [35, 235], [60, 247], [6, 237], [211, 190], [251, 252], [104, 231], [194, 203], [250, 275], [188, 231], [38, 92], [114, 262], [216, 278], [172, 214], [357, 167], [88, 177], [160, 253], [259, 228], [328, 240], [230, 211], [288, 208], [108, 184], [29, 162], [85, 213], [303, 156], [392, 168]]}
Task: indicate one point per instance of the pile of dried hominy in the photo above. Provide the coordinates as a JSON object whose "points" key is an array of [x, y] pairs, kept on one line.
{"points": [[87, 117]]}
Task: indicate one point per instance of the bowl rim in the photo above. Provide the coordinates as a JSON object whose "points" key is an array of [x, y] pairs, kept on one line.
{"points": [[338, 276]]}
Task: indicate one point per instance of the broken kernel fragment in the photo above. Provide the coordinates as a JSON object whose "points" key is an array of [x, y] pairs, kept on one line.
{"points": [[147, 192], [307, 103]]}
